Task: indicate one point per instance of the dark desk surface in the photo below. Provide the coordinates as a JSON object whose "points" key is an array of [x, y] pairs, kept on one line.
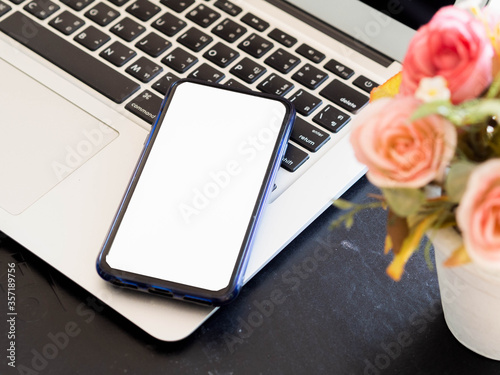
{"points": [[323, 306]]}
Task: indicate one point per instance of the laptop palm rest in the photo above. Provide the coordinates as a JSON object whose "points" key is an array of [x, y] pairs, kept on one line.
{"points": [[40, 147]]}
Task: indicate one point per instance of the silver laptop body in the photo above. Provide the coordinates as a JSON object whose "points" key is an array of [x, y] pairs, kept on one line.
{"points": [[67, 148]]}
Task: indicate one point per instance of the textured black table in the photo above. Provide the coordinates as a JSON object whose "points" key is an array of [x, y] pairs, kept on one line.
{"points": [[323, 306]]}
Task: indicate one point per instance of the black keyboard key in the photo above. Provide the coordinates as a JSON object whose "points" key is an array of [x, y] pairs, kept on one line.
{"points": [[92, 38], [169, 24], [77, 4], [144, 69], [255, 45], [4, 8], [164, 83], [221, 55], [332, 119], [344, 96], [294, 158], [274, 84], [339, 69], [310, 76], [153, 44], [66, 22], [248, 70], [102, 14], [146, 106], [41, 8], [203, 15], [179, 60], [75, 61], [235, 84], [118, 3], [282, 61], [308, 136], [206, 73], [177, 5], [229, 30], [282, 37], [194, 39], [118, 54], [128, 29], [228, 7], [365, 84], [143, 9], [255, 22], [304, 102], [310, 53]]}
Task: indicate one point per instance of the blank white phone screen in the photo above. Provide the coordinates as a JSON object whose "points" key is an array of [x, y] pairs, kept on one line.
{"points": [[192, 205]]}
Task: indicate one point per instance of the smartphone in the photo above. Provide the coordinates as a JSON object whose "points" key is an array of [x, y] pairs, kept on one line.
{"points": [[186, 223]]}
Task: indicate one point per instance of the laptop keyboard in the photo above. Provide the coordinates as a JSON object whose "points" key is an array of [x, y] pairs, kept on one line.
{"points": [[132, 51]]}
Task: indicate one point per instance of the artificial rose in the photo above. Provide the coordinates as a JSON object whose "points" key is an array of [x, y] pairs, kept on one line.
{"points": [[478, 215], [397, 151], [455, 46]]}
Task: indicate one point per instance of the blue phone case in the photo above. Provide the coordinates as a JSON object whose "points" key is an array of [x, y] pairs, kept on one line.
{"points": [[140, 256]]}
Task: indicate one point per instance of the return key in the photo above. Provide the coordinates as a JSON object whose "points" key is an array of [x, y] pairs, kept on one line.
{"points": [[308, 136]]}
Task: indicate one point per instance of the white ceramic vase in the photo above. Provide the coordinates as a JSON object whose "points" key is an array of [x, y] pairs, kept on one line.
{"points": [[470, 296]]}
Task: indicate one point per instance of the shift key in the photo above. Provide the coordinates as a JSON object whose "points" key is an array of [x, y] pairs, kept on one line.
{"points": [[344, 96], [294, 158]]}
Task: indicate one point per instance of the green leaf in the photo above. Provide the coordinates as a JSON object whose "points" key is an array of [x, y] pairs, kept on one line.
{"points": [[343, 204], [479, 111], [349, 222], [494, 89], [427, 254], [471, 112], [438, 107], [456, 180], [404, 202], [348, 218]]}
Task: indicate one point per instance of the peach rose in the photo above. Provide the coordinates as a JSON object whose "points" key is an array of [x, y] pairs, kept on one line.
{"points": [[398, 152], [455, 46], [478, 215]]}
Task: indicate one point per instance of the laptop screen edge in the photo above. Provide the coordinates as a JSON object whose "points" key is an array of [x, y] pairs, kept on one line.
{"points": [[364, 23]]}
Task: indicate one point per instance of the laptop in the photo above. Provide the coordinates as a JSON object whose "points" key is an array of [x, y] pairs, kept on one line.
{"points": [[81, 82]]}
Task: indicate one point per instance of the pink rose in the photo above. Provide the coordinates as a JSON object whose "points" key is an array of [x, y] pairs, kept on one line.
{"points": [[478, 214], [453, 45], [398, 152]]}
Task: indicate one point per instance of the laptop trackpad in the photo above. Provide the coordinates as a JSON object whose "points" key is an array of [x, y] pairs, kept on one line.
{"points": [[43, 139]]}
